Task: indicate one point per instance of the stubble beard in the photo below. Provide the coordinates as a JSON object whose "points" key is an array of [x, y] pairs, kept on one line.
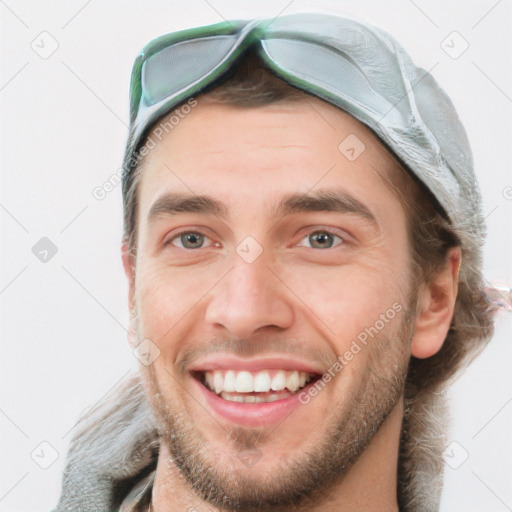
{"points": [[302, 479]]}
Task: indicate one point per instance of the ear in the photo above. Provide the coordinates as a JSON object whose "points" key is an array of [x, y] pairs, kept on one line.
{"points": [[129, 270], [436, 304], [128, 258]]}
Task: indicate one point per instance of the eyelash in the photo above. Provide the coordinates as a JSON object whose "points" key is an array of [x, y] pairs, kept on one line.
{"points": [[316, 231]]}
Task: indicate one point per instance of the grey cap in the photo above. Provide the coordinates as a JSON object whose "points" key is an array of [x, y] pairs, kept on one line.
{"points": [[355, 66]]}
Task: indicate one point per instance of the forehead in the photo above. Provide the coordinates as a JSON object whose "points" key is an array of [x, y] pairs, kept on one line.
{"points": [[247, 156]]}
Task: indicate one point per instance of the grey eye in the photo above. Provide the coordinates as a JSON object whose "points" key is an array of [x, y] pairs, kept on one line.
{"points": [[190, 240], [321, 240]]}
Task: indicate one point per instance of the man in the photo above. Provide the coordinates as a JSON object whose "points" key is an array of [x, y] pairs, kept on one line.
{"points": [[302, 243]]}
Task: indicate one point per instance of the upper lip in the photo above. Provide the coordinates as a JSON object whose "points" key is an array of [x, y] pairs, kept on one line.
{"points": [[227, 362]]}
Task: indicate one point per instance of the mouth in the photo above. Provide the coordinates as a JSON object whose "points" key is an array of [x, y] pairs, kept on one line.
{"points": [[254, 387], [255, 392]]}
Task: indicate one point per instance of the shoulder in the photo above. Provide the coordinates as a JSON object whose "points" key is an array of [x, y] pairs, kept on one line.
{"points": [[113, 444]]}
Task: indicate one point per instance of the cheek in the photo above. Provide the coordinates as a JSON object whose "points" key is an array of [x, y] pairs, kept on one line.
{"points": [[166, 296], [343, 301]]}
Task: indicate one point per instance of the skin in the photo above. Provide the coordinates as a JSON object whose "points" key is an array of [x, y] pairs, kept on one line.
{"points": [[294, 300]]}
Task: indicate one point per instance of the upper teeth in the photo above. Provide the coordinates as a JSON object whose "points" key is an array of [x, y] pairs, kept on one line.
{"points": [[248, 382]]}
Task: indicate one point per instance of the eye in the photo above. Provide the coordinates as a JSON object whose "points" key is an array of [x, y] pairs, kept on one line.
{"points": [[320, 240], [190, 240]]}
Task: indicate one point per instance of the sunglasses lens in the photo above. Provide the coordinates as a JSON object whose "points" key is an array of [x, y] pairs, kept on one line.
{"points": [[180, 66], [327, 69]]}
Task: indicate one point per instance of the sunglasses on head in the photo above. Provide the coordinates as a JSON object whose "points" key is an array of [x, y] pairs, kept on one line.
{"points": [[177, 66]]}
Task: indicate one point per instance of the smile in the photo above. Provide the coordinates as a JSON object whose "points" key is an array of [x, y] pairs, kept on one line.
{"points": [[255, 392], [255, 386]]}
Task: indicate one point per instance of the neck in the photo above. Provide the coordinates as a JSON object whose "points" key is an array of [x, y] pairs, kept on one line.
{"points": [[370, 484]]}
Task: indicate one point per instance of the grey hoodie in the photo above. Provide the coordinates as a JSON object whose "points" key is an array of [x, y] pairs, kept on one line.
{"points": [[112, 456]]}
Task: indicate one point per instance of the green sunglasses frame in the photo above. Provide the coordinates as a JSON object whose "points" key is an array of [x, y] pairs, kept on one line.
{"points": [[270, 46]]}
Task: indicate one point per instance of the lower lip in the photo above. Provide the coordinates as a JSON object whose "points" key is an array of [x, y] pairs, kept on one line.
{"points": [[249, 414]]}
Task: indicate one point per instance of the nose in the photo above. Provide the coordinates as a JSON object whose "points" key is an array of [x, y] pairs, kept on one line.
{"points": [[248, 300]]}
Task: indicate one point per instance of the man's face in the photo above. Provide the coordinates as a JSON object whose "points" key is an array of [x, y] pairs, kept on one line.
{"points": [[252, 293]]}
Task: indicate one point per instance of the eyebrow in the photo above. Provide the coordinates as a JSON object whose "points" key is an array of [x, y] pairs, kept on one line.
{"points": [[324, 200], [327, 200], [175, 203]]}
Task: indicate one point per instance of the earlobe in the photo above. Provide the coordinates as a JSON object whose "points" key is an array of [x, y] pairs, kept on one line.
{"points": [[436, 304]]}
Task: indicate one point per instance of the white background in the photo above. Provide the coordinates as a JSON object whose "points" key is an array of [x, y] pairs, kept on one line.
{"points": [[63, 124]]}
